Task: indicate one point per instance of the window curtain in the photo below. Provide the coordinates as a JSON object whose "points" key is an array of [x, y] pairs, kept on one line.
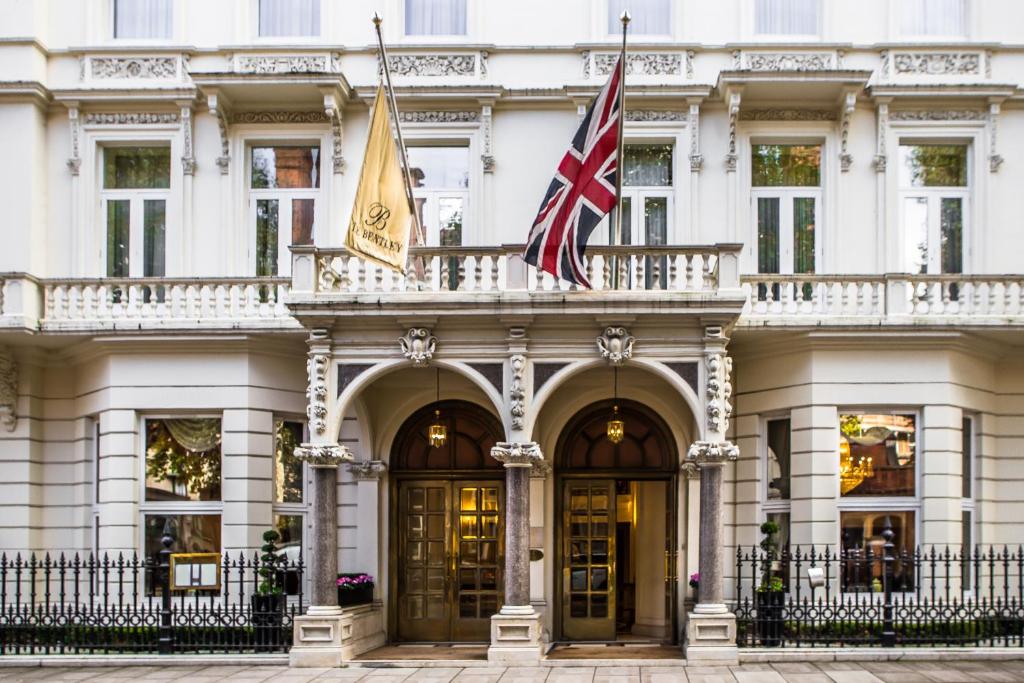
{"points": [[648, 166], [289, 18], [787, 17], [142, 18], [933, 17], [435, 17], [196, 434], [648, 17]]}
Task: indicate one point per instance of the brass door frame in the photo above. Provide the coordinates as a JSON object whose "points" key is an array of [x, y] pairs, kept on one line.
{"points": [[672, 501], [450, 478]]}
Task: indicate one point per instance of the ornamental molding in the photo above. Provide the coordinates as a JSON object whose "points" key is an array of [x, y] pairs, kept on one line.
{"points": [[995, 160], [8, 389], [710, 453], [517, 390], [787, 115], [131, 118], [939, 115], [881, 130], [731, 157], [937, 63], [435, 65], [744, 60], [540, 469], [638, 63], [616, 345], [74, 161], [368, 470], [439, 116], [718, 381], [693, 123], [487, 155], [849, 106], [316, 391], [133, 67], [690, 470], [188, 159], [650, 115], [324, 454], [279, 117], [418, 345], [334, 114], [517, 454], [213, 101], [292, 64]]}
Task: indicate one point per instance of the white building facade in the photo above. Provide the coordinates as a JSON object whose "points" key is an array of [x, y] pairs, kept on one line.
{"points": [[817, 312]]}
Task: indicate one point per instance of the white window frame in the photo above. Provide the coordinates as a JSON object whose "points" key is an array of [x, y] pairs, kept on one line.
{"points": [[165, 507], [254, 27], [781, 504], [457, 135], [969, 504], [934, 197], [432, 199], [302, 508], [398, 32], [896, 26], [751, 33]]}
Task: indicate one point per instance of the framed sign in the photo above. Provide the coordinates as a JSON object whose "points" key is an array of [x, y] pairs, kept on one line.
{"points": [[195, 571]]}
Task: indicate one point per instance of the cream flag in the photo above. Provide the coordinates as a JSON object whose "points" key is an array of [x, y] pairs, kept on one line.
{"points": [[379, 227]]}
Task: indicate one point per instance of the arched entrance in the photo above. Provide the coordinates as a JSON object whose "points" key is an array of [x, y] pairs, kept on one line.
{"points": [[617, 506], [447, 536]]}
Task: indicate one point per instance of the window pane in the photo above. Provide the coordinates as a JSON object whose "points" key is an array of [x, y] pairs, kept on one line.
{"points": [[117, 237], [933, 165], [266, 237], [647, 17], [285, 167], [130, 168], [952, 232], [933, 17], [439, 168], [967, 536], [861, 533], [154, 237], [656, 232], [435, 17], [192, 533], [778, 459], [143, 18], [967, 458], [877, 454], [786, 17], [288, 482], [183, 459], [302, 221], [450, 218], [289, 18], [627, 223], [803, 234], [768, 234], [915, 235], [647, 166], [786, 165]]}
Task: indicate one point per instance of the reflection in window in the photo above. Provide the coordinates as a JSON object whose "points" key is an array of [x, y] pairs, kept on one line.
{"points": [[786, 165], [946, 18], [191, 533], [440, 180], [933, 165], [787, 17], [285, 167], [647, 17], [877, 454], [288, 483], [778, 459], [280, 18], [136, 168], [183, 460], [435, 17], [862, 568]]}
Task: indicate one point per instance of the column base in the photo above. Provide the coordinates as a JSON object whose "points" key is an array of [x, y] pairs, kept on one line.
{"points": [[333, 640], [711, 639], [516, 638]]}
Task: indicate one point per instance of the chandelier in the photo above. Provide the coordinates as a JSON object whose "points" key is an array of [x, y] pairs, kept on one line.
{"points": [[437, 432], [853, 472], [616, 427]]}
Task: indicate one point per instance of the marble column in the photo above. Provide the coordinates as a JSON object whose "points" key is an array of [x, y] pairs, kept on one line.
{"points": [[516, 629], [318, 634]]}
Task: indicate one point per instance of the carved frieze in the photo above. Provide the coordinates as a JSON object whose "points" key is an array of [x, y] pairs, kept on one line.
{"points": [[787, 61], [324, 454], [433, 65], [133, 67], [418, 345], [650, 115], [8, 390], [130, 118], [368, 470], [517, 391], [787, 115], [280, 117], [616, 345], [641, 63], [439, 116], [283, 64], [937, 63], [938, 115]]}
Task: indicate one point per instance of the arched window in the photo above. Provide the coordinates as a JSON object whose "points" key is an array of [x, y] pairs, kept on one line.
{"points": [[472, 431], [648, 444]]}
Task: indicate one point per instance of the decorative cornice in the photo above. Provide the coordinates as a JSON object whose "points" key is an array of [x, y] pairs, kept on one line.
{"points": [[938, 115], [704, 453], [368, 470], [439, 116], [324, 454], [650, 115], [130, 118], [434, 65], [418, 345], [8, 389], [517, 454], [283, 65], [937, 63], [133, 67], [640, 63], [787, 115], [280, 117], [616, 345]]}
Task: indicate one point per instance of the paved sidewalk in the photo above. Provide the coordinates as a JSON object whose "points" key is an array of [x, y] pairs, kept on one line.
{"points": [[826, 672]]}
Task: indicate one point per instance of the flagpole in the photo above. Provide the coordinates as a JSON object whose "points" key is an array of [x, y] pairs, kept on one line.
{"points": [[624, 18], [393, 106]]}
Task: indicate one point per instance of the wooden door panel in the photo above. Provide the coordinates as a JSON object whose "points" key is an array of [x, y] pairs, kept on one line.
{"points": [[424, 608]]}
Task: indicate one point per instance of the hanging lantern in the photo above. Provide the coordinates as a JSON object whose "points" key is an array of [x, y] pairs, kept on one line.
{"points": [[437, 433], [616, 427]]}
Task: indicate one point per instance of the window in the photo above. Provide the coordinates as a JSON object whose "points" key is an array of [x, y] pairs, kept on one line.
{"points": [[136, 181], [647, 189], [435, 17], [862, 541], [289, 496], [285, 186], [143, 19], [284, 18], [647, 17], [967, 476], [786, 193], [440, 181], [787, 17], [182, 493], [778, 459], [941, 18], [877, 454], [933, 196]]}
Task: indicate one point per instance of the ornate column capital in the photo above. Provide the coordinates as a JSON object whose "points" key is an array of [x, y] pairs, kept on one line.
{"points": [[516, 454], [689, 469], [368, 470], [540, 470], [324, 454], [705, 453]]}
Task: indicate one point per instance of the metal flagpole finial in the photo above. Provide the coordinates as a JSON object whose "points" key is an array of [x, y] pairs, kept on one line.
{"points": [[625, 17], [377, 19]]}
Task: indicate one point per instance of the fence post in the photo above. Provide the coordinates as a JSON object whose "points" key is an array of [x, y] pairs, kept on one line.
{"points": [[888, 630], [166, 636]]}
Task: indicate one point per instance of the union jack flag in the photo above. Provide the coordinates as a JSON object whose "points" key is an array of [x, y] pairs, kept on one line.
{"points": [[582, 192]]}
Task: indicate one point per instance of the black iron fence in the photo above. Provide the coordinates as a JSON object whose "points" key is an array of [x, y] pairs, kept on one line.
{"points": [[930, 596], [94, 605]]}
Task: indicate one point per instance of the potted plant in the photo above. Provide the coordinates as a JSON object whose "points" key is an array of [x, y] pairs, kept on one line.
{"points": [[695, 583], [770, 595], [268, 601], [354, 589]]}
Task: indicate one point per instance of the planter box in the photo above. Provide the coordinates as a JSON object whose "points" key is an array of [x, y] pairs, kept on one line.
{"points": [[362, 595], [769, 616]]}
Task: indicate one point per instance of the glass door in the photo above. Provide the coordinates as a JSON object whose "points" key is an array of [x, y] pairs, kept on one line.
{"points": [[424, 551], [588, 552], [478, 560]]}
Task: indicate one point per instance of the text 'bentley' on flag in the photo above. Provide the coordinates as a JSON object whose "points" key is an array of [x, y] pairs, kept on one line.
{"points": [[583, 191]]}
